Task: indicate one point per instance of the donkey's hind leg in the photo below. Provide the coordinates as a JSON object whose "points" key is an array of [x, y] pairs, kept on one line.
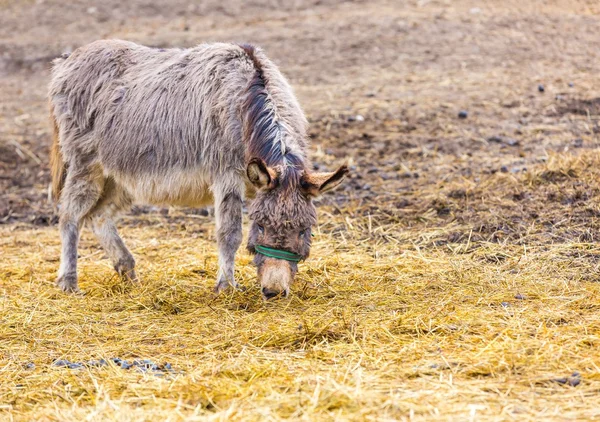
{"points": [[83, 187], [113, 199]]}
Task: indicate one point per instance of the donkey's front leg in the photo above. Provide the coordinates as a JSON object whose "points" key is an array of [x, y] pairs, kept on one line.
{"points": [[228, 215]]}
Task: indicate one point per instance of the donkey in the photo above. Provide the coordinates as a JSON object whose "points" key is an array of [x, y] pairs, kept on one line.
{"points": [[184, 127]]}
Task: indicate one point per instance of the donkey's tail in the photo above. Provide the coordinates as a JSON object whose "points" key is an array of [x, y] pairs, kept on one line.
{"points": [[58, 168]]}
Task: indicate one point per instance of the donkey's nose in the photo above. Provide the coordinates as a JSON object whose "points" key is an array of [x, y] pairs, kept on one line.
{"points": [[270, 293]]}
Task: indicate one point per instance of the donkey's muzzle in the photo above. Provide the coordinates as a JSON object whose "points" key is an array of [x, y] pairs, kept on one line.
{"points": [[275, 276], [271, 293]]}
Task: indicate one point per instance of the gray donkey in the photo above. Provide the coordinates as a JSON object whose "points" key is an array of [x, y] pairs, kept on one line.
{"points": [[186, 127]]}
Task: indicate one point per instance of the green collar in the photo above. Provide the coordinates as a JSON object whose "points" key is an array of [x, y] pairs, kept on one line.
{"points": [[277, 253]]}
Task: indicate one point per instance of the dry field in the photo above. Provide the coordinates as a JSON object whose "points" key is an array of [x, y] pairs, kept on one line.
{"points": [[456, 275]]}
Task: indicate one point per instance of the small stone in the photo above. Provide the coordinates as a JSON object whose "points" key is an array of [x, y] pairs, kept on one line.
{"points": [[571, 84], [357, 118], [504, 169], [75, 365], [30, 365], [62, 362], [578, 143], [541, 88], [463, 114], [519, 296], [503, 140], [574, 380], [367, 187], [505, 304]]}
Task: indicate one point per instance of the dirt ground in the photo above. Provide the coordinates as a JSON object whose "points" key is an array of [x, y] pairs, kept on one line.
{"points": [[454, 277]]}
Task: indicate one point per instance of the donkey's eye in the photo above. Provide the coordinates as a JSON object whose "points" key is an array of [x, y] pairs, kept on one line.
{"points": [[261, 229], [302, 233]]}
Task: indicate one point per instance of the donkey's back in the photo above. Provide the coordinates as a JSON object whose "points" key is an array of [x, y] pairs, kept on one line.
{"points": [[146, 116]]}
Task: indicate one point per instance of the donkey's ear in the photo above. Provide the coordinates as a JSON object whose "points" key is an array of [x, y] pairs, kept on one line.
{"points": [[314, 184], [260, 175]]}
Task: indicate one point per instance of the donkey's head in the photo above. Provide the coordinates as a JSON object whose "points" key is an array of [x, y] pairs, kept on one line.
{"points": [[282, 217]]}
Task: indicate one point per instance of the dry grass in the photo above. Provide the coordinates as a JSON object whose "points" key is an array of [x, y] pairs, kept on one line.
{"points": [[398, 328]]}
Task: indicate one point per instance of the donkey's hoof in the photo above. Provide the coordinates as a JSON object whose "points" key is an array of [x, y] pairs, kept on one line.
{"points": [[225, 285], [126, 270], [129, 275], [68, 284]]}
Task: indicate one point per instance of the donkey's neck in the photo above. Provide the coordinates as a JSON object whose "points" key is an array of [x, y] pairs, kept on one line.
{"points": [[274, 125]]}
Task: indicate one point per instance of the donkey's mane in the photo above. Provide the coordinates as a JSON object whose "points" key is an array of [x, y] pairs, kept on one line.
{"points": [[265, 130]]}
